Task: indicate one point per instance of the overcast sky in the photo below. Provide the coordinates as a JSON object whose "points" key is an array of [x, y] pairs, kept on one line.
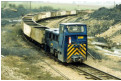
{"points": [[108, 2], [84, 2]]}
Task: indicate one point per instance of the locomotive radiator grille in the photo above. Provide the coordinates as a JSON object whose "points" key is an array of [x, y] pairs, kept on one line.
{"points": [[74, 50]]}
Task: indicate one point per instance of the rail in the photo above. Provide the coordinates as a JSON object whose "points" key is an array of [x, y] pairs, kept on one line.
{"points": [[94, 73]]}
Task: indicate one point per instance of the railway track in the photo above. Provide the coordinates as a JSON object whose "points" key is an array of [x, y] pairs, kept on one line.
{"points": [[55, 23], [68, 19], [60, 73], [89, 71], [93, 73]]}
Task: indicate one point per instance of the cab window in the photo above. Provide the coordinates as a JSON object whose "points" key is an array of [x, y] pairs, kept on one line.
{"points": [[61, 28], [75, 29]]}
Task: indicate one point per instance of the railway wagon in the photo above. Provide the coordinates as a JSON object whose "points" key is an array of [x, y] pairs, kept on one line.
{"points": [[25, 26], [35, 18], [53, 14], [38, 34], [68, 12], [35, 32], [63, 13], [73, 12], [58, 13], [40, 16], [48, 14], [68, 43], [26, 29], [44, 15]]}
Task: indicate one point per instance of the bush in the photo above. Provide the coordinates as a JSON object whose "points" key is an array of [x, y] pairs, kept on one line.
{"points": [[21, 10]]}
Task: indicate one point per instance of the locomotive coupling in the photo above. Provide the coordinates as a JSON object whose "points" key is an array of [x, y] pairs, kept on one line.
{"points": [[77, 58]]}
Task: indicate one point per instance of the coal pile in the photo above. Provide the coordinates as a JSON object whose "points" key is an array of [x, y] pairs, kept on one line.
{"points": [[108, 14]]}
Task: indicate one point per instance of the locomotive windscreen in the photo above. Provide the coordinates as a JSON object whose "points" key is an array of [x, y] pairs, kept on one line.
{"points": [[75, 29]]}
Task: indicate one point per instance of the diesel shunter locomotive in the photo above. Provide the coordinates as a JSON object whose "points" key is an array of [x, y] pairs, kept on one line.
{"points": [[68, 43]]}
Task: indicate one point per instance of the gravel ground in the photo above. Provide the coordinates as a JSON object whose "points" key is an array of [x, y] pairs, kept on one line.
{"points": [[17, 55]]}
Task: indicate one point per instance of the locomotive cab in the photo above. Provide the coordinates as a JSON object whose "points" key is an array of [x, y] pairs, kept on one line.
{"points": [[72, 42]]}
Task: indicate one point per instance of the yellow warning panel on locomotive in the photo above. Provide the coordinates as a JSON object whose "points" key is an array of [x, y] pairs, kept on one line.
{"points": [[80, 37]]}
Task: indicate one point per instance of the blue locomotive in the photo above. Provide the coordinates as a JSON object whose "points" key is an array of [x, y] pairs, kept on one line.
{"points": [[68, 43]]}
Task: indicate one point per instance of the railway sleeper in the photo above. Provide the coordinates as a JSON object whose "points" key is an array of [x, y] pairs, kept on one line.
{"points": [[81, 74], [88, 77]]}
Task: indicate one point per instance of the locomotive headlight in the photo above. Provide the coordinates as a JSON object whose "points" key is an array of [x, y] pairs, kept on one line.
{"points": [[80, 37], [69, 40]]}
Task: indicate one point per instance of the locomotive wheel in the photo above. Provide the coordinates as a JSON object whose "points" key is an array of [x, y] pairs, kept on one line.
{"points": [[55, 53]]}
